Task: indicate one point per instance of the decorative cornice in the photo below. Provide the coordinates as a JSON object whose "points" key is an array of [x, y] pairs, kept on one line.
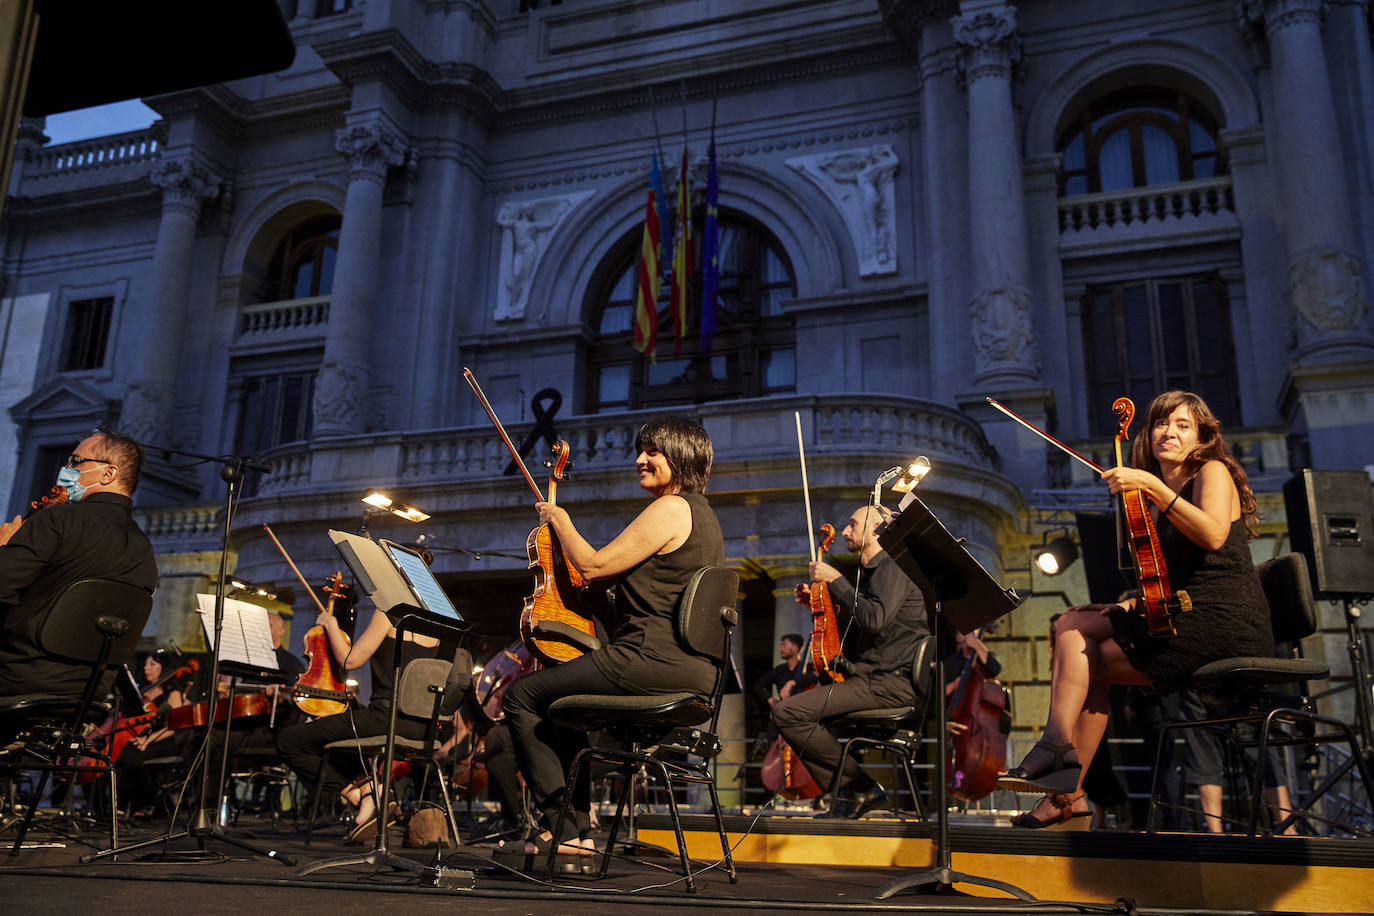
{"points": [[908, 18], [989, 46]]}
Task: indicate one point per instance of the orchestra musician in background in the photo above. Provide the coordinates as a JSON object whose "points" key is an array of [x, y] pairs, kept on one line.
{"points": [[1206, 515], [137, 785], [891, 617], [651, 561]]}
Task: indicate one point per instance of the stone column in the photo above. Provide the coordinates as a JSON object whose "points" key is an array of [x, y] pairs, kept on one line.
{"points": [[1325, 274], [342, 386], [150, 394], [1004, 347]]}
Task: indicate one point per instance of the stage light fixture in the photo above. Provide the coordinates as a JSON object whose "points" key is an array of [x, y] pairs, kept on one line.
{"points": [[1056, 556], [913, 474], [380, 502]]}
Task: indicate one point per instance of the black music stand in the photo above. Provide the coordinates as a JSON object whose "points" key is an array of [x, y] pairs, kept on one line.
{"points": [[954, 583]]}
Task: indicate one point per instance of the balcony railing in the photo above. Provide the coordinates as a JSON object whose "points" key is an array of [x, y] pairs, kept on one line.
{"points": [[115, 152], [1159, 204], [1263, 453], [291, 316], [750, 430], [182, 523]]}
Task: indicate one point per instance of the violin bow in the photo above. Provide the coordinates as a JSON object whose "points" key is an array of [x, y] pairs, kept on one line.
{"points": [[1046, 436], [491, 414], [806, 491], [308, 589]]}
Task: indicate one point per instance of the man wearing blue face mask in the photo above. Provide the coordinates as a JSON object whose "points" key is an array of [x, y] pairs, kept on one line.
{"points": [[92, 535]]}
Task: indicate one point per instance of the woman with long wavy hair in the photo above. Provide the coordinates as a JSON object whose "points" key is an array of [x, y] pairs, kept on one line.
{"points": [[1206, 515]]}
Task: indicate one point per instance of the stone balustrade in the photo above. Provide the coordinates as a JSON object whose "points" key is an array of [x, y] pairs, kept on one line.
{"points": [[100, 154], [1159, 204], [757, 430], [288, 317], [1263, 453], [182, 523]]}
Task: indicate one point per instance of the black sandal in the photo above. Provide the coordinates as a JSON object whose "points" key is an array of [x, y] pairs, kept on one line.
{"points": [[1060, 776], [1062, 801]]}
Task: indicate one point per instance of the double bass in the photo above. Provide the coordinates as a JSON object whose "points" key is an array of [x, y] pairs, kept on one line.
{"points": [[978, 751], [553, 625], [1158, 600]]}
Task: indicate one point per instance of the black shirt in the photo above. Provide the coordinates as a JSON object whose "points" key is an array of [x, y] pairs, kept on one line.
{"points": [[804, 675], [94, 538], [890, 614]]}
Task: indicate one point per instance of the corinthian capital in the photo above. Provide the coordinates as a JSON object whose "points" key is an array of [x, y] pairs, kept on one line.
{"points": [[1271, 16], [185, 184], [988, 43], [371, 150]]}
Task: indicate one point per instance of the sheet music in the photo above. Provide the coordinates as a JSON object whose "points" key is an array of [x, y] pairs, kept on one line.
{"points": [[247, 634]]}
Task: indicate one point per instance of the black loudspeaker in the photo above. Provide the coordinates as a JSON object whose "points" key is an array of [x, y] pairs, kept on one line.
{"points": [[1331, 523]]}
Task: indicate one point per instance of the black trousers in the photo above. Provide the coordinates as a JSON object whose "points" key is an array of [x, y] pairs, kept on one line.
{"points": [[801, 719], [498, 754], [544, 749], [302, 746]]}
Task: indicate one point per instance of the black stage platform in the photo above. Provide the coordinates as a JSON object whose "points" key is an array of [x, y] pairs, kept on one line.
{"points": [[785, 864]]}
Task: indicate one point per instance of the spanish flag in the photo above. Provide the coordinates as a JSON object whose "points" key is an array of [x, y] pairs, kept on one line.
{"points": [[682, 257], [646, 295]]}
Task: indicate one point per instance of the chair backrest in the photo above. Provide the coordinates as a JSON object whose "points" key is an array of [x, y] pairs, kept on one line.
{"points": [[413, 696], [459, 683], [699, 623], [67, 629], [1288, 589], [923, 673]]}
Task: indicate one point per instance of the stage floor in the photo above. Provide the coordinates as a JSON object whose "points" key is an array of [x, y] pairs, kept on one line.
{"points": [[785, 864]]}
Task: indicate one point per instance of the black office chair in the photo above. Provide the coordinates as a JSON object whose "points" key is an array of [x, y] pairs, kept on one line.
{"points": [[663, 733], [895, 729], [1258, 719], [92, 622], [428, 689]]}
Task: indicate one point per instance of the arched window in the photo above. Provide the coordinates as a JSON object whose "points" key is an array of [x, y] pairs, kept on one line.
{"points": [[1138, 137], [752, 352], [302, 264]]}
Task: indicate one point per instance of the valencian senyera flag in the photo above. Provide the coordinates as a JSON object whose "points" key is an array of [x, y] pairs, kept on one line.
{"points": [[682, 257], [650, 280], [710, 253]]}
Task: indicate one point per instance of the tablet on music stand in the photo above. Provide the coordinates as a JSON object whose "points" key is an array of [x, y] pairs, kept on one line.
{"points": [[396, 578]]}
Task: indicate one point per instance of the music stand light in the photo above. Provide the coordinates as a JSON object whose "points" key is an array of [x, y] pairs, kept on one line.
{"points": [[380, 502]]}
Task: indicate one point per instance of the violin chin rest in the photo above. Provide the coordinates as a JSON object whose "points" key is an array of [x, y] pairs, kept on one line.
{"points": [[553, 629]]}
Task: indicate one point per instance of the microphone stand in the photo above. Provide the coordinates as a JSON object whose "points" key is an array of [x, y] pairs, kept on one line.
{"points": [[204, 825]]}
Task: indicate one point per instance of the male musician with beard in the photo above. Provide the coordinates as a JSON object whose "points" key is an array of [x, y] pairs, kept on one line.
{"points": [[92, 535], [793, 675], [890, 615]]}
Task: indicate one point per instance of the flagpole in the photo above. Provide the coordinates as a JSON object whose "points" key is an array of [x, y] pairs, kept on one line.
{"points": [[653, 113]]}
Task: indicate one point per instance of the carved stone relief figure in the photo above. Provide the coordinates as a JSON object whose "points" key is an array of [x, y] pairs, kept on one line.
{"points": [[1328, 293], [860, 184], [1002, 338], [527, 228], [339, 396]]}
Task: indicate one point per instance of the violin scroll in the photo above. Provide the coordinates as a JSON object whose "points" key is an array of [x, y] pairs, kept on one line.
{"points": [[1124, 408]]}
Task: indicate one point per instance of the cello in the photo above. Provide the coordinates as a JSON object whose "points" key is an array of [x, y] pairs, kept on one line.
{"points": [[553, 625], [1158, 600], [978, 752]]}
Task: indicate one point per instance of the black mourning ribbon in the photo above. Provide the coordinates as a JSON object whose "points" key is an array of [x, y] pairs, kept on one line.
{"points": [[543, 424]]}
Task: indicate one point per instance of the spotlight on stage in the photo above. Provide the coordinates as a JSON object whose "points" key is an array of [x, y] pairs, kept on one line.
{"points": [[1056, 556], [380, 502], [241, 587], [912, 475]]}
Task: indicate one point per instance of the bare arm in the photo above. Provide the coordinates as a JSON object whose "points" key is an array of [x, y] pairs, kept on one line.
{"points": [[1207, 521], [662, 527]]}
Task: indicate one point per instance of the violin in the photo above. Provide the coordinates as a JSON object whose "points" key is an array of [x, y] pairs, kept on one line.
{"points": [[322, 686], [1157, 597], [55, 497], [556, 598], [1158, 600], [978, 751], [243, 706], [325, 676], [553, 624], [825, 629]]}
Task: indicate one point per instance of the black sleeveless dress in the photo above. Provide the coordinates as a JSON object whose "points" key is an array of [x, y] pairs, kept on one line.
{"points": [[644, 655], [1230, 615]]}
